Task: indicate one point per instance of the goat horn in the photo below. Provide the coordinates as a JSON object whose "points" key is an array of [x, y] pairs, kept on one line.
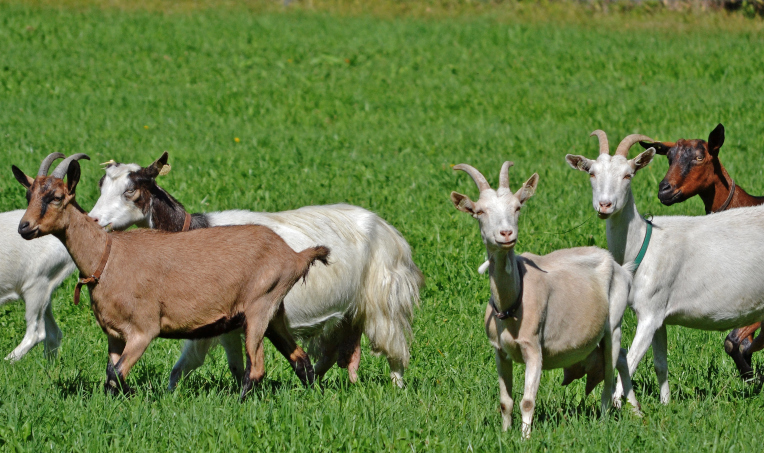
{"points": [[628, 142], [504, 174], [45, 165], [63, 167], [602, 137], [476, 176]]}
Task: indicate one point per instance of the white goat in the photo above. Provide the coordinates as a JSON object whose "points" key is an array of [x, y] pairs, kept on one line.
{"points": [[32, 271], [699, 272], [549, 311], [371, 286]]}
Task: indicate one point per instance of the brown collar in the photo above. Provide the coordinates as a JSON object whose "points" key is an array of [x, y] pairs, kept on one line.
{"points": [[726, 204], [186, 222], [96, 275]]}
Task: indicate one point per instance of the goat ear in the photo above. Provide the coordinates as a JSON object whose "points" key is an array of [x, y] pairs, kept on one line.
{"points": [[644, 158], [157, 168], [72, 176], [25, 180], [463, 203], [716, 140], [661, 148], [579, 162], [528, 188]]}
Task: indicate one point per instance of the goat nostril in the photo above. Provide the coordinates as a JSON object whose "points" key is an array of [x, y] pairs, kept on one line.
{"points": [[506, 233], [664, 186], [605, 204], [23, 226]]}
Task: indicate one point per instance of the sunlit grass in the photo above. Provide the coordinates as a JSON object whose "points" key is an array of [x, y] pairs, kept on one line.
{"points": [[267, 109]]}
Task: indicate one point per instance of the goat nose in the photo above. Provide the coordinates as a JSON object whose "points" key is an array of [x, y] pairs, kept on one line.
{"points": [[23, 226], [664, 186], [505, 233], [605, 204]]}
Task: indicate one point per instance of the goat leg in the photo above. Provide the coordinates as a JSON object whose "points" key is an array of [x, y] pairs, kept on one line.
{"points": [[254, 332], [660, 362], [134, 348], [279, 335], [504, 368], [532, 358], [349, 352], [115, 383], [732, 345]]}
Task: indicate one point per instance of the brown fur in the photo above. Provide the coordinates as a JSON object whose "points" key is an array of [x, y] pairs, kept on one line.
{"points": [[158, 284], [695, 169]]}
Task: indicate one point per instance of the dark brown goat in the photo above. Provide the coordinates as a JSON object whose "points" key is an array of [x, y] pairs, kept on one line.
{"points": [[157, 284], [695, 169]]}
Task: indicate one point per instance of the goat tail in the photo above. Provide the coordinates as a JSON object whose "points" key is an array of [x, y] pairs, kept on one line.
{"points": [[389, 294], [310, 255]]}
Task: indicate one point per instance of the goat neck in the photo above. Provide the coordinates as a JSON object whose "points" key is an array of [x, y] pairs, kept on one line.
{"points": [[626, 231], [83, 238], [715, 196], [166, 213], [506, 281]]}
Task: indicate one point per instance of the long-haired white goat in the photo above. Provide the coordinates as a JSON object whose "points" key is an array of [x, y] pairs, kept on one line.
{"points": [[550, 311], [371, 286], [31, 271], [699, 272]]}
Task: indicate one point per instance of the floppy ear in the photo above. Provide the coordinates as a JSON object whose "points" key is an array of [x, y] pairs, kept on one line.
{"points": [[642, 159], [463, 203], [661, 148], [716, 140], [73, 176], [528, 188], [25, 180], [579, 162], [155, 169]]}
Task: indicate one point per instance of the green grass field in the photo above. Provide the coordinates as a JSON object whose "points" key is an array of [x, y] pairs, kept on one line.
{"points": [[270, 110]]}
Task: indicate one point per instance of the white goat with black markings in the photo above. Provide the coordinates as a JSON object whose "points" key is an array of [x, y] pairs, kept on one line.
{"points": [[698, 272], [31, 271], [551, 311], [371, 287]]}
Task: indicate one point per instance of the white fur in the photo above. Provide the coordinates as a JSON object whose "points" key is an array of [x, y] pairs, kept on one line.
{"points": [[698, 272], [372, 281], [32, 270]]}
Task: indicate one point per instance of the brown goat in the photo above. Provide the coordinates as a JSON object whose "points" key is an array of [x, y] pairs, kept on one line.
{"points": [[156, 284], [695, 169]]}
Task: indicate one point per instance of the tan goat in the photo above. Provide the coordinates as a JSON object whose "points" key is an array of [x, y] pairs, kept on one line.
{"points": [[549, 311], [152, 284]]}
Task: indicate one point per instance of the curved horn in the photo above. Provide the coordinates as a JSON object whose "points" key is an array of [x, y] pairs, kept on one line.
{"points": [[45, 165], [628, 142], [504, 174], [476, 176], [602, 137], [63, 167]]}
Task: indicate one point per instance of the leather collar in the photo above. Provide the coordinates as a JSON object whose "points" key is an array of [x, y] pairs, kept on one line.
{"points": [[726, 204], [96, 275], [186, 222]]}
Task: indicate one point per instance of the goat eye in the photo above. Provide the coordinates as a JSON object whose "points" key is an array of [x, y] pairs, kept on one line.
{"points": [[627, 177], [591, 175], [479, 212], [518, 209], [130, 192], [699, 158]]}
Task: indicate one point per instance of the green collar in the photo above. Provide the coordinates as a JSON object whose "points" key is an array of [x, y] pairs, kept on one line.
{"points": [[645, 243]]}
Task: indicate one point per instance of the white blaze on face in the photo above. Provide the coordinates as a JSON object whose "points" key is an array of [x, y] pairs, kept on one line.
{"points": [[115, 206]]}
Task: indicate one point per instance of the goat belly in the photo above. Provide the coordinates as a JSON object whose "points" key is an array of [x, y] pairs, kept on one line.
{"points": [[219, 327]]}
